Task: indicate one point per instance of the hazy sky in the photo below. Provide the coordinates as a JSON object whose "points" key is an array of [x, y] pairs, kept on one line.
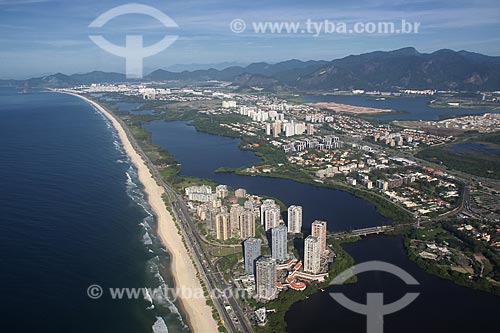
{"points": [[47, 36]]}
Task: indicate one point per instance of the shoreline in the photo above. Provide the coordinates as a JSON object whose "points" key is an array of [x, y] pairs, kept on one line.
{"points": [[198, 313]]}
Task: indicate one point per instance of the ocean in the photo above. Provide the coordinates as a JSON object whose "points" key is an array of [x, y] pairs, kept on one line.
{"points": [[73, 214]]}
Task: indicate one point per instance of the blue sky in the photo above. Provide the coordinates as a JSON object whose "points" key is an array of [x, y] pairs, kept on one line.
{"points": [[47, 36]]}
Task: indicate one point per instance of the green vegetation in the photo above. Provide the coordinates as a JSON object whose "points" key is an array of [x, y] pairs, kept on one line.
{"points": [[228, 263], [212, 123], [466, 101], [483, 165], [462, 265]]}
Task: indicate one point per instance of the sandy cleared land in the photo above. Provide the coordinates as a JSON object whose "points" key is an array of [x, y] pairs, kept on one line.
{"points": [[198, 313], [349, 108]]}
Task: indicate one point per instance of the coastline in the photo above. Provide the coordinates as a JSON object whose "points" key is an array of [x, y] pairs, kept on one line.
{"points": [[198, 313]]}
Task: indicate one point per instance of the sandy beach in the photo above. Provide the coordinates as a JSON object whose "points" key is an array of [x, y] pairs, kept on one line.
{"points": [[198, 313]]}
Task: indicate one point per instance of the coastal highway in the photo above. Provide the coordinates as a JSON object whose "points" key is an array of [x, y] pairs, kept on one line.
{"points": [[229, 309], [236, 317]]}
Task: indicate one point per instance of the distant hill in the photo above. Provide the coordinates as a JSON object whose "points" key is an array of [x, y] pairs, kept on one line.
{"points": [[407, 68], [98, 76], [62, 80], [195, 67], [403, 68], [231, 73]]}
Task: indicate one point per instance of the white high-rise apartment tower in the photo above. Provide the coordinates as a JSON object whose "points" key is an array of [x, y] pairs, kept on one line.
{"points": [[269, 214], [312, 255], [294, 219], [319, 230], [279, 244], [266, 278]]}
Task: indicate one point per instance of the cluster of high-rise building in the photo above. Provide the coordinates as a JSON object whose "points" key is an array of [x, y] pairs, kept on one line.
{"points": [[260, 115], [242, 221], [262, 267], [315, 247], [276, 124], [239, 223], [393, 139], [226, 219], [265, 269], [201, 193], [325, 143], [236, 222], [288, 128]]}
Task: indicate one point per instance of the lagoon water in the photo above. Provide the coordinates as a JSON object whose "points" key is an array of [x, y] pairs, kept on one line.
{"points": [[441, 307], [133, 108], [72, 215], [475, 148], [413, 108], [200, 154]]}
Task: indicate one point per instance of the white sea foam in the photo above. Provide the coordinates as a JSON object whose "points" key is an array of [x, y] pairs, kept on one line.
{"points": [[146, 239], [129, 179], [159, 326], [160, 298], [118, 145], [155, 270], [134, 191]]}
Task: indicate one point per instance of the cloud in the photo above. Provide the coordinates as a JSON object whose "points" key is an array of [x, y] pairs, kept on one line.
{"points": [[64, 42], [21, 2]]}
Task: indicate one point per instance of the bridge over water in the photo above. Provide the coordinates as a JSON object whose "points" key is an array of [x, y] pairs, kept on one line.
{"points": [[364, 231]]}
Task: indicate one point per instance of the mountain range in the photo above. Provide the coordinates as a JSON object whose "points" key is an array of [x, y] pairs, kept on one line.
{"points": [[404, 68]]}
